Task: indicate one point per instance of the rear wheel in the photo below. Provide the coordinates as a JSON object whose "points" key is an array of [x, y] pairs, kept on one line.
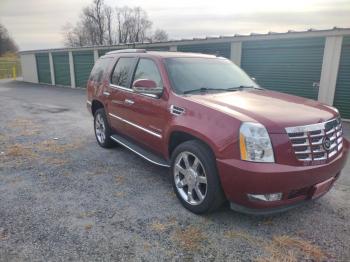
{"points": [[195, 178], [102, 129]]}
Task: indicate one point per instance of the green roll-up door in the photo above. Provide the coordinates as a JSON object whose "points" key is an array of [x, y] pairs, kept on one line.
{"points": [[286, 65], [43, 67], [219, 49], [83, 63], [61, 68], [342, 91]]}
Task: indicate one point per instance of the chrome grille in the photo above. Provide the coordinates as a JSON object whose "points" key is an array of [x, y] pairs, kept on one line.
{"points": [[309, 141]]}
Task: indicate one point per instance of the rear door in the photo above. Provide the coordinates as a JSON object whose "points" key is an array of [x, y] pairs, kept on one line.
{"points": [[118, 94]]}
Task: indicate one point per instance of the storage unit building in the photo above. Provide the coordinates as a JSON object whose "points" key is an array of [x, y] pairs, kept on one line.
{"points": [[342, 91], [313, 64]]}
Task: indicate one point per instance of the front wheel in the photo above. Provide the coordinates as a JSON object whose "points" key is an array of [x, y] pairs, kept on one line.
{"points": [[195, 178], [102, 129]]}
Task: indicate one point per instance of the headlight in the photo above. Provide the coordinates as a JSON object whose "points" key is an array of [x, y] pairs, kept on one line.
{"points": [[255, 143]]}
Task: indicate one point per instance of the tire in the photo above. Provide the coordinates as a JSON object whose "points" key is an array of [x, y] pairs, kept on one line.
{"points": [[203, 177], [102, 129]]}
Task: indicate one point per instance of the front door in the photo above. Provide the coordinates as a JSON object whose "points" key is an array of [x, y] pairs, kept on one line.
{"points": [[145, 115]]}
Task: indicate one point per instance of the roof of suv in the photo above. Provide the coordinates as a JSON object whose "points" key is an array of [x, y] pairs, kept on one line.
{"points": [[162, 54]]}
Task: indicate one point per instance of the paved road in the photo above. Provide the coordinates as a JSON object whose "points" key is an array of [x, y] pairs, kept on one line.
{"points": [[62, 197]]}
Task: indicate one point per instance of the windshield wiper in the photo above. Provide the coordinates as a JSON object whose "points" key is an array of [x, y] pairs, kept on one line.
{"points": [[205, 89], [244, 87]]}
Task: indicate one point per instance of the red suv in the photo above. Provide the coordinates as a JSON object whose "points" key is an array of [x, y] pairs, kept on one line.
{"points": [[223, 136]]}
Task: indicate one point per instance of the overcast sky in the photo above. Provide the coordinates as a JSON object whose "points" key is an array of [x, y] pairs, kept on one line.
{"points": [[36, 24]]}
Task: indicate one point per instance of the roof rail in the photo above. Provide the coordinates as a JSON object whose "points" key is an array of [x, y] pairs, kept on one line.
{"points": [[126, 51]]}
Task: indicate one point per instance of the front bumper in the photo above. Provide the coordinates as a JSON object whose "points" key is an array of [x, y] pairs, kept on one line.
{"points": [[297, 183]]}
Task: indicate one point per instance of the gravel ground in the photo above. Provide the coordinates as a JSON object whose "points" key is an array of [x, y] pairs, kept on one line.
{"points": [[62, 197]]}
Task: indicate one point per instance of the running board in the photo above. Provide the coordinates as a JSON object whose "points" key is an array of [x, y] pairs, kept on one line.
{"points": [[140, 151]]}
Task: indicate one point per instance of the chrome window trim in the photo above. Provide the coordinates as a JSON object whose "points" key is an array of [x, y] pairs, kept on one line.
{"points": [[121, 88], [116, 87], [137, 126]]}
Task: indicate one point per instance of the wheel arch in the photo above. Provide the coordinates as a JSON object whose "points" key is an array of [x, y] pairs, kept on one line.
{"points": [[178, 136], [95, 105]]}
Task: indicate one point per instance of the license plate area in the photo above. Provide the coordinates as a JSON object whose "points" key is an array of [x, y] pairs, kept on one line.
{"points": [[321, 188]]}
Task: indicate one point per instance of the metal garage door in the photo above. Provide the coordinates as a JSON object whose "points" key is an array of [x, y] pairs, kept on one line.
{"points": [[220, 49], [43, 67], [61, 68], [83, 63], [285, 65], [342, 91]]}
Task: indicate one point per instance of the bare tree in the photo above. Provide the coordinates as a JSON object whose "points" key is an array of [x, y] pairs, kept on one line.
{"points": [[6, 42], [133, 24], [141, 25], [160, 35], [109, 20], [95, 20], [124, 21], [99, 24], [70, 37]]}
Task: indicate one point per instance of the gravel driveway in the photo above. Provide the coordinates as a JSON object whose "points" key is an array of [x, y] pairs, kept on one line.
{"points": [[62, 197]]}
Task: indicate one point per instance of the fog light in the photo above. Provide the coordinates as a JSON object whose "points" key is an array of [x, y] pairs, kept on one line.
{"points": [[266, 197]]}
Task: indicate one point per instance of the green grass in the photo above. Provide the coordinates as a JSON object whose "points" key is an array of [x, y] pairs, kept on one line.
{"points": [[6, 66]]}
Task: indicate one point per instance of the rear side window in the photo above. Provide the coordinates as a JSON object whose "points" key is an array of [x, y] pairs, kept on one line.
{"points": [[147, 69], [122, 72], [100, 68]]}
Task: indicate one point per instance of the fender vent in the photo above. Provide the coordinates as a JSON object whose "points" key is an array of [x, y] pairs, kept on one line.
{"points": [[175, 110]]}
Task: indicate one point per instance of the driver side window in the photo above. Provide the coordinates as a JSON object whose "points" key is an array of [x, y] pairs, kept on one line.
{"points": [[147, 69]]}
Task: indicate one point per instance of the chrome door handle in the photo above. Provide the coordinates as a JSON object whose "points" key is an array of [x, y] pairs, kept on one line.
{"points": [[129, 102], [106, 93]]}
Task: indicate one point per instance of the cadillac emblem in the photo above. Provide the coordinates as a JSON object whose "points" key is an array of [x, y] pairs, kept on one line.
{"points": [[326, 143]]}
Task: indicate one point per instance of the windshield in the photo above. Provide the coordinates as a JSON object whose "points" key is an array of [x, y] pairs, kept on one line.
{"points": [[212, 74]]}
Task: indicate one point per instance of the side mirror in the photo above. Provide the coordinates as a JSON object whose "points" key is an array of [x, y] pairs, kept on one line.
{"points": [[253, 78], [147, 86]]}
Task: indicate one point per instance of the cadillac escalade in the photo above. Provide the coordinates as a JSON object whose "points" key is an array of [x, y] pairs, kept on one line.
{"points": [[223, 136]]}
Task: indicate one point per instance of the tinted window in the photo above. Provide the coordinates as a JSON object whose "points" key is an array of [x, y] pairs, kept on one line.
{"points": [[214, 73], [122, 71], [99, 69], [147, 69]]}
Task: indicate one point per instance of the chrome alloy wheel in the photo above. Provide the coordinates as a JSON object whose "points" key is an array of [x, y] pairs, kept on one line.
{"points": [[100, 129], [190, 178]]}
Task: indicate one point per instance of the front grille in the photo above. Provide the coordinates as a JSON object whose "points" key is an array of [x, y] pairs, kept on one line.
{"points": [[317, 142]]}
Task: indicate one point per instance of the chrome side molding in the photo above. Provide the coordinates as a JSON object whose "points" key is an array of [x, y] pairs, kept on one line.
{"points": [[137, 126]]}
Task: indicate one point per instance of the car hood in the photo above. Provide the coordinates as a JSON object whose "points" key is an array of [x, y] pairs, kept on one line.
{"points": [[274, 110]]}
